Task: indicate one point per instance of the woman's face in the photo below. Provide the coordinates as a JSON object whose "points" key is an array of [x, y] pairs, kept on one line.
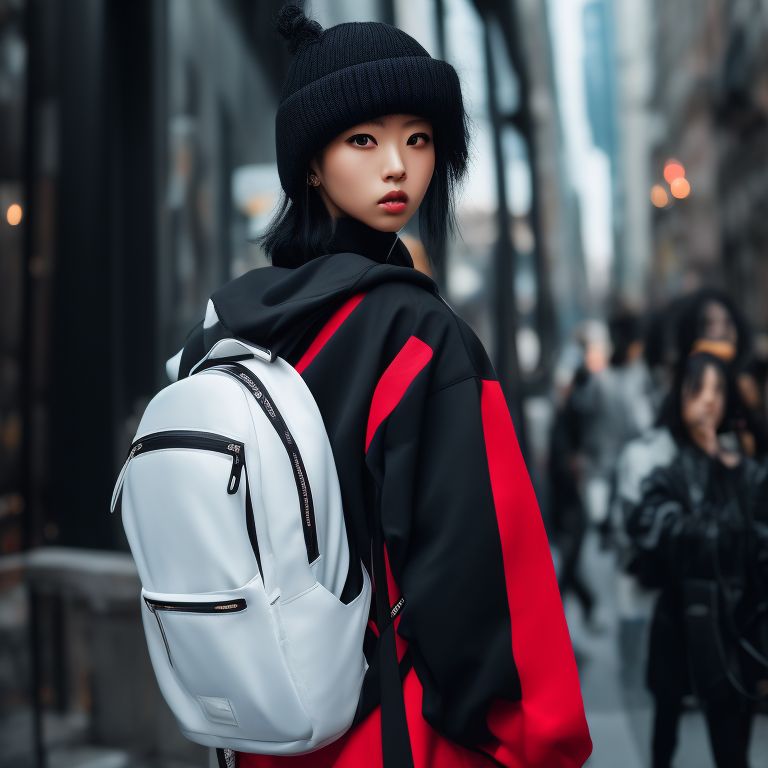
{"points": [[392, 154], [717, 323], [704, 408]]}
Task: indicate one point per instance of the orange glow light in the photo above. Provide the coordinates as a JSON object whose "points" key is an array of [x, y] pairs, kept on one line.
{"points": [[13, 215], [680, 188], [673, 170], [659, 196]]}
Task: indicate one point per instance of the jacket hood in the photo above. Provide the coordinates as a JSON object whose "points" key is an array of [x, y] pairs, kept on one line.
{"points": [[268, 304], [273, 306]]}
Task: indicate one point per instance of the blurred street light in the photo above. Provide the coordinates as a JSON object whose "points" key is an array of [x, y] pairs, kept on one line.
{"points": [[680, 188], [673, 170], [659, 196], [14, 214]]}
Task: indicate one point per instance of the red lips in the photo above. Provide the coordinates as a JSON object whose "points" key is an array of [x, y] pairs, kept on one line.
{"points": [[395, 196]]}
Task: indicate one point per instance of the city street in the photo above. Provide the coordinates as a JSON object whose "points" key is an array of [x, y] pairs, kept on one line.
{"points": [[464, 248], [618, 707]]}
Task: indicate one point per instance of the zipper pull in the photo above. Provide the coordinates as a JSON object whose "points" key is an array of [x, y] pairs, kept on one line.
{"points": [[117, 492], [237, 451]]}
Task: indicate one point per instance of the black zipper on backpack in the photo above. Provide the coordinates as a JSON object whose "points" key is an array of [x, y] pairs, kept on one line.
{"points": [[206, 441], [264, 399], [209, 441], [162, 632], [221, 606]]}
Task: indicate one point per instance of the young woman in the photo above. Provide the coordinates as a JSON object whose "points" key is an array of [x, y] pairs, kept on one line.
{"points": [[370, 130], [710, 321], [701, 537]]}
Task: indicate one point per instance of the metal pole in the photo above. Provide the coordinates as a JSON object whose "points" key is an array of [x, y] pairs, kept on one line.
{"points": [[31, 530], [505, 305]]}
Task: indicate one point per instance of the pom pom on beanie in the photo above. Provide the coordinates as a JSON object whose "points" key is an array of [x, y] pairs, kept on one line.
{"points": [[296, 28]]}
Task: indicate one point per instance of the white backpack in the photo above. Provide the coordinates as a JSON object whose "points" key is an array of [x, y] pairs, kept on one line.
{"points": [[231, 505]]}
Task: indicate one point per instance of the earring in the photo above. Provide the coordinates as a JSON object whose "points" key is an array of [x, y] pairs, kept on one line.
{"points": [[313, 181]]}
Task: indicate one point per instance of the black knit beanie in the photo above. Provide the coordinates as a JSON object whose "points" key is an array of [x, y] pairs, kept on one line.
{"points": [[355, 72]]}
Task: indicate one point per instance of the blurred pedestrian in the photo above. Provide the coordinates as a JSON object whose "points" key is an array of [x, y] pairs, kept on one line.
{"points": [[660, 349], [700, 537], [653, 448], [568, 516], [612, 406], [709, 321]]}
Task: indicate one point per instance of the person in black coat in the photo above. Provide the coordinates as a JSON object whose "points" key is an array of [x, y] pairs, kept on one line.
{"points": [[700, 535], [370, 129], [568, 516]]}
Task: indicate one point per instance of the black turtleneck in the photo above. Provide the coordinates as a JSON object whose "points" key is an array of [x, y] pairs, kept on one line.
{"points": [[353, 236]]}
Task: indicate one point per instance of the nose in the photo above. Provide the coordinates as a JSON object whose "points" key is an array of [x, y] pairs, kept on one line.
{"points": [[393, 168]]}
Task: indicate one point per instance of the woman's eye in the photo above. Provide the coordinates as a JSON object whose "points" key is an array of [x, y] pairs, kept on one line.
{"points": [[416, 136], [361, 140]]}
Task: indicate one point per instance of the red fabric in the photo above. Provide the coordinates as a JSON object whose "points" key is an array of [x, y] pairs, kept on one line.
{"points": [[404, 368], [361, 747], [394, 596], [395, 380], [547, 728], [391, 387], [333, 325]]}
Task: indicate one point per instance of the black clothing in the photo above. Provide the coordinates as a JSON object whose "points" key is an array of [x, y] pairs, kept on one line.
{"points": [[729, 723], [702, 523], [284, 307], [698, 519], [567, 513], [383, 247], [420, 430]]}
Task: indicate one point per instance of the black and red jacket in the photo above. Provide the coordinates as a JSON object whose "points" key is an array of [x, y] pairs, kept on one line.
{"points": [[418, 423]]}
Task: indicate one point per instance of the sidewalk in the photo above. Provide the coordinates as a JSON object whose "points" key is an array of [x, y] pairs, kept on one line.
{"points": [[618, 707]]}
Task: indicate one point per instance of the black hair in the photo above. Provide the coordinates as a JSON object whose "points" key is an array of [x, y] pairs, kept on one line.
{"points": [[689, 377], [302, 229], [692, 315], [660, 343], [298, 231], [625, 329]]}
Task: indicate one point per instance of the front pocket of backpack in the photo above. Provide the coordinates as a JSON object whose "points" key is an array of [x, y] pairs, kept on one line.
{"points": [[187, 511], [224, 652], [190, 439]]}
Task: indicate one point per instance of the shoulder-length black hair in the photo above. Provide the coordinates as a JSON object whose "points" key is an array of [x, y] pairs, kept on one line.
{"points": [[689, 377], [301, 229]]}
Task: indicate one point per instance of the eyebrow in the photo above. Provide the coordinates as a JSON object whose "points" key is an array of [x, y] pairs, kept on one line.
{"points": [[380, 123]]}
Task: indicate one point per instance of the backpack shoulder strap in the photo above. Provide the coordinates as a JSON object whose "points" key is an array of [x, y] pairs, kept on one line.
{"points": [[395, 741]]}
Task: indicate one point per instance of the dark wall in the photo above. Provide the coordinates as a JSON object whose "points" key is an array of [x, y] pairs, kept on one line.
{"points": [[102, 317]]}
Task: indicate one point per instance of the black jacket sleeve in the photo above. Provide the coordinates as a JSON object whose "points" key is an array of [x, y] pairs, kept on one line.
{"points": [[482, 618]]}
